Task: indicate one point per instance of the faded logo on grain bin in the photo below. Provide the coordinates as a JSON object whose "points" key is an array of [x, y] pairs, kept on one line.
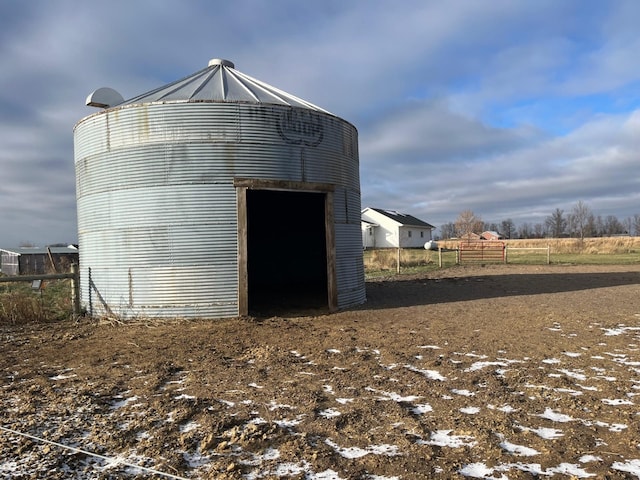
{"points": [[300, 127]]}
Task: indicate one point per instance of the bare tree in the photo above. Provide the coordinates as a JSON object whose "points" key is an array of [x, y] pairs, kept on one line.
{"points": [[493, 227], [579, 218], [591, 229], [508, 228], [556, 223], [448, 230], [468, 223], [600, 228], [539, 231], [636, 224], [612, 225], [525, 230]]}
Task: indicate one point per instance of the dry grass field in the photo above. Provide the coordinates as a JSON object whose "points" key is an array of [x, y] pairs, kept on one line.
{"points": [[588, 246], [608, 250]]}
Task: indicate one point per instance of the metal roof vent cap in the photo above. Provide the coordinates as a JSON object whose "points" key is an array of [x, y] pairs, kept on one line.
{"points": [[221, 61]]}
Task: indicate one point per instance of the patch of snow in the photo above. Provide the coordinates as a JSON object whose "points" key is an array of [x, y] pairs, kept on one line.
{"points": [[62, 377], [504, 408], [430, 374], [543, 432], [329, 413], [357, 452], [585, 387], [519, 450], [124, 402], [589, 458], [273, 405], [333, 350], [289, 469], [616, 401], [572, 354], [443, 438], [326, 475], [630, 466], [184, 396], [570, 469], [421, 409], [479, 470], [187, 427], [549, 414], [286, 423], [195, 460], [480, 365], [344, 401], [464, 393], [394, 396], [551, 361], [573, 374], [573, 393], [470, 410]]}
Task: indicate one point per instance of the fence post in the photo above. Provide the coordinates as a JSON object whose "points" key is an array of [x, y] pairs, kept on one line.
{"points": [[548, 254], [398, 261], [75, 289], [506, 254], [440, 257], [90, 296]]}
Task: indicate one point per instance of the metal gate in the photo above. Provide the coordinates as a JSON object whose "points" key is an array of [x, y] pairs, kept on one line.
{"points": [[482, 251]]}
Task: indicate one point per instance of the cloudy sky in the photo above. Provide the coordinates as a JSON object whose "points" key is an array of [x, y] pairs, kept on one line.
{"points": [[507, 108]]}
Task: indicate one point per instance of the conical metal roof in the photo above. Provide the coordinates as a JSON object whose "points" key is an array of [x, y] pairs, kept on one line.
{"points": [[221, 82]]}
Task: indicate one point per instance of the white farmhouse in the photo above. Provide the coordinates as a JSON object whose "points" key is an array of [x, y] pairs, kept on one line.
{"points": [[392, 229]]}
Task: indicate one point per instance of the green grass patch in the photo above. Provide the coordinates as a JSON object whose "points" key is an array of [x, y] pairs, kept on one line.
{"points": [[597, 259], [383, 262]]}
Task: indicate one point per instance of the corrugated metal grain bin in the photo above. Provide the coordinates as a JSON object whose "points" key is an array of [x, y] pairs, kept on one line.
{"points": [[216, 196]]}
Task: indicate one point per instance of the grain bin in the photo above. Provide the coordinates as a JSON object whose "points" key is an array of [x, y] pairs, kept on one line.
{"points": [[216, 195]]}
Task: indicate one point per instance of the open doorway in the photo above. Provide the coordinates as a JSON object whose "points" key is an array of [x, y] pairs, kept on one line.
{"points": [[286, 248]]}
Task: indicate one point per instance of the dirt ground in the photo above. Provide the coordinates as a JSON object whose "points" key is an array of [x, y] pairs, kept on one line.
{"points": [[496, 371]]}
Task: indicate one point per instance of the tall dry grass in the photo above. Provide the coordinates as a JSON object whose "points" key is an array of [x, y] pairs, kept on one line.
{"points": [[588, 246], [387, 258], [20, 304]]}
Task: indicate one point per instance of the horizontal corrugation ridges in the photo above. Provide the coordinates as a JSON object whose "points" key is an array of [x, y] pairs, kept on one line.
{"points": [[157, 207]]}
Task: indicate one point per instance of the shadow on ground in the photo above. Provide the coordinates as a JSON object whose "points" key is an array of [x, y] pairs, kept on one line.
{"points": [[398, 292]]}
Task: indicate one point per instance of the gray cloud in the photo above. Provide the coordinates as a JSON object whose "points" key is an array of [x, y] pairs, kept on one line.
{"points": [[456, 107]]}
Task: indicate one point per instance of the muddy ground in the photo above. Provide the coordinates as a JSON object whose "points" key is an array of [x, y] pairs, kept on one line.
{"points": [[482, 372]]}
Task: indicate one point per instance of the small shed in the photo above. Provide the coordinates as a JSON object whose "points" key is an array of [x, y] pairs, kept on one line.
{"points": [[491, 235], [392, 229], [37, 260]]}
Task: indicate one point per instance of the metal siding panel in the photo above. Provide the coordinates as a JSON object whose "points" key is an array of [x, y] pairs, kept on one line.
{"points": [[349, 266]]}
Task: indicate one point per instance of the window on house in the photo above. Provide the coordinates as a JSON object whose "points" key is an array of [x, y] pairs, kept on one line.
{"points": [[371, 231], [409, 232], [421, 234]]}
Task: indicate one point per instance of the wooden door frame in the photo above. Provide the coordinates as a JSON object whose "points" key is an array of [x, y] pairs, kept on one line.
{"points": [[242, 185]]}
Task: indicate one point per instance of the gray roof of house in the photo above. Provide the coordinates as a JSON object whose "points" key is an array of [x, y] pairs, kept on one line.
{"points": [[220, 82], [39, 250], [403, 218]]}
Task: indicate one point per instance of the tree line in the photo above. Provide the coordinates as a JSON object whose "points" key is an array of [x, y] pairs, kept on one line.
{"points": [[579, 222]]}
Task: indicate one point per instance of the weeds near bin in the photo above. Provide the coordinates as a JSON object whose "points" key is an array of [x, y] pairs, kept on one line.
{"points": [[19, 303]]}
